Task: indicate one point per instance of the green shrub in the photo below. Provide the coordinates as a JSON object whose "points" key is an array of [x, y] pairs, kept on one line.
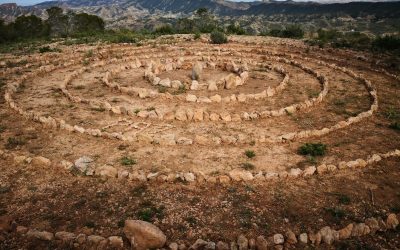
{"points": [[250, 153], [395, 126], [218, 37], [127, 161], [235, 29], [247, 166], [313, 149], [197, 36], [387, 43]]}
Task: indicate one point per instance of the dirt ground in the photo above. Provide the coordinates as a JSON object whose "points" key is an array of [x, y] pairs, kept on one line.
{"points": [[54, 199]]}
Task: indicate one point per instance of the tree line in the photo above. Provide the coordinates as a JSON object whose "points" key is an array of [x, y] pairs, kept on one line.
{"points": [[58, 24]]}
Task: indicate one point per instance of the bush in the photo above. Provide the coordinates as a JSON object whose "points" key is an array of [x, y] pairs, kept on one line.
{"points": [[292, 31], [395, 126], [313, 149], [127, 161], [164, 30], [218, 37], [387, 43], [250, 153], [247, 166], [45, 49], [235, 29], [197, 36]]}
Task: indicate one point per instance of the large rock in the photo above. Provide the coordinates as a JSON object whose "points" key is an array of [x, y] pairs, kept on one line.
{"points": [[212, 86], [46, 236], [144, 235]]}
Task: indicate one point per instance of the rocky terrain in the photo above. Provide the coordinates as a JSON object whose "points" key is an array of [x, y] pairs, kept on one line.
{"points": [[255, 17], [178, 143]]}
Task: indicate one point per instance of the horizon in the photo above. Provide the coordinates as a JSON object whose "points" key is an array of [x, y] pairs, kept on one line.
{"points": [[33, 2]]}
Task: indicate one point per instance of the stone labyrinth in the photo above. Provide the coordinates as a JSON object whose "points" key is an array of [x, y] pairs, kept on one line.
{"points": [[199, 107]]}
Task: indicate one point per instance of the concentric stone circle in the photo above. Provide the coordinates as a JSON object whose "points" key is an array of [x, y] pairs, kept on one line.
{"points": [[176, 111]]}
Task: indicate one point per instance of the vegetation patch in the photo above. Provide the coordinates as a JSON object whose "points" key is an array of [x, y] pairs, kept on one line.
{"points": [[313, 149]]}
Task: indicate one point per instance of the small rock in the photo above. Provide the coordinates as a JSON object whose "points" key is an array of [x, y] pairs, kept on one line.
{"points": [[278, 239], [67, 165], [83, 163], [212, 86], [191, 98], [107, 171], [315, 238], [239, 175], [261, 243], [176, 84], [197, 71], [165, 82], [173, 246], [21, 230], [65, 236], [40, 161], [328, 235], [46, 236], [290, 237], [195, 85], [303, 238], [392, 222], [189, 177], [222, 246], [145, 234], [116, 241], [242, 242], [359, 229], [5, 223], [345, 233]]}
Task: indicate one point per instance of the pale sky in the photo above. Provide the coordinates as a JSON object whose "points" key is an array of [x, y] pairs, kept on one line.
{"points": [[31, 2]]}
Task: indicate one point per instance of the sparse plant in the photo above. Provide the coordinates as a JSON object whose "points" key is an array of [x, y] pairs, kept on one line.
{"points": [[395, 126], [128, 161], [247, 166], [162, 89], [13, 142], [250, 154], [313, 149], [197, 36], [89, 53], [336, 212], [151, 108], [2, 128], [344, 199]]}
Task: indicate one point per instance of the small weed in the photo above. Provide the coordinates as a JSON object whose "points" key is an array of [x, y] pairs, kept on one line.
{"points": [[162, 89], [85, 62], [191, 220], [90, 224], [181, 90], [127, 161], [79, 87], [136, 111], [149, 212], [392, 114], [344, 199], [151, 108], [4, 189], [394, 125], [98, 109], [313, 149], [312, 93], [139, 190], [13, 142], [247, 166], [336, 212], [89, 53], [311, 159], [2, 128], [250, 154], [45, 49]]}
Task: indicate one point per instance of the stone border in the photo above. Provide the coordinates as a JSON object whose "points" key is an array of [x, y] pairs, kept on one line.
{"points": [[236, 175], [150, 236]]}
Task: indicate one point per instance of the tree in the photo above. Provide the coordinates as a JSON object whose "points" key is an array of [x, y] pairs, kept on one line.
{"points": [[57, 22], [29, 27], [85, 23]]}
